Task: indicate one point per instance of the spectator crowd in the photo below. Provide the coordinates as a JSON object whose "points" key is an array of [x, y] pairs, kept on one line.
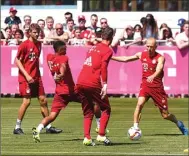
{"points": [[15, 31]]}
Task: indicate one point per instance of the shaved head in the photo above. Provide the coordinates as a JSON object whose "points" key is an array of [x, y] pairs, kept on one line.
{"points": [[151, 41], [151, 46]]}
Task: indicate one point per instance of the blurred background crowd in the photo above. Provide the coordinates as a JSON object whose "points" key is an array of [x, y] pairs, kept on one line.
{"points": [[75, 32]]}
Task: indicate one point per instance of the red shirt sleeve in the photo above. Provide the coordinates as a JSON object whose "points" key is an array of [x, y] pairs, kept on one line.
{"points": [[63, 60], [104, 66], [50, 63], [21, 52]]}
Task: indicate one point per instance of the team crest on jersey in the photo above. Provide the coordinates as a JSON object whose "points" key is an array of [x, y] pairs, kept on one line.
{"points": [[154, 61]]}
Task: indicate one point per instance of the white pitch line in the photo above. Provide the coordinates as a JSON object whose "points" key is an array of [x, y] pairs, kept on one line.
{"points": [[91, 153]]}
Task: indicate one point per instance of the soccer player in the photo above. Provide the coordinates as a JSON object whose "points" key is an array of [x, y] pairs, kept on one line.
{"points": [[30, 83], [152, 85], [92, 87], [64, 92]]}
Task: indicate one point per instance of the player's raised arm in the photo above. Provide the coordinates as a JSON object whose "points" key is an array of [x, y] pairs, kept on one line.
{"points": [[127, 58]]}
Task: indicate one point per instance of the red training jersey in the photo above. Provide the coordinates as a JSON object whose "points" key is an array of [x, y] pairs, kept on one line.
{"points": [[66, 85], [95, 66], [29, 53], [149, 67], [87, 34]]}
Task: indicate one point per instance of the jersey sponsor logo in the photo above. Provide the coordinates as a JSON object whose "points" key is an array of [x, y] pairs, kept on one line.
{"points": [[14, 69], [145, 66], [32, 56]]}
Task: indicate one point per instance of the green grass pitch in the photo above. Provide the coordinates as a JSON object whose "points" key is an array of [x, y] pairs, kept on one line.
{"points": [[159, 137]]}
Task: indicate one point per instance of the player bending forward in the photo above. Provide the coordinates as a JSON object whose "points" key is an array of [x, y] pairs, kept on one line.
{"points": [[92, 89], [64, 92], [152, 85]]}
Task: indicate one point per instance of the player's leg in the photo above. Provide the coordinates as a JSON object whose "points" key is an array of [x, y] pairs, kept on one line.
{"points": [[160, 98], [21, 112], [88, 112], [44, 123], [45, 113], [59, 102], [105, 115], [137, 113], [171, 117], [25, 91], [42, 98], [97, 113], [44, 107]]}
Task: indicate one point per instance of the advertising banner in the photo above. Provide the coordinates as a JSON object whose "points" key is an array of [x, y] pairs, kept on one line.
{"points": [[123, 78]]}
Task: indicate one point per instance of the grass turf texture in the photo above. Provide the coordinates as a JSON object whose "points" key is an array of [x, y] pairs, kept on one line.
{"points": [[159, 137]]}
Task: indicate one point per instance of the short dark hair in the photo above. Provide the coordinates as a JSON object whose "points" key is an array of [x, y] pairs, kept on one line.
{"points": [[57, 45], [70, 19], [34, 26], [20, 32], [95, 15], [107, 33], [69, 13], [40, 20], [7, 28]]}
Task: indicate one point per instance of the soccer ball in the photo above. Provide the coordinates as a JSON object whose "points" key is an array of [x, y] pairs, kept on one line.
{"points": [[134, 134]]}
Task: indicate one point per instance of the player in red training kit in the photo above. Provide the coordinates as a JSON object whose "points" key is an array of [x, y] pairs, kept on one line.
{"points": [[30, 83], [152, 85], [92, 89], [64, 92]]}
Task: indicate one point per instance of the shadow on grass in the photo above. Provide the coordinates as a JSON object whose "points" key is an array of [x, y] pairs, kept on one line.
{"points": [[97, 143], [125, 143], [165, 135], [63, 140]]}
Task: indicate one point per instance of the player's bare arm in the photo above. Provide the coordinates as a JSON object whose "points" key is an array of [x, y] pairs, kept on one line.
{"points": [[127, 58], [159, 69], [104, 79], [182, 44], [21, 68], [60, 76]]}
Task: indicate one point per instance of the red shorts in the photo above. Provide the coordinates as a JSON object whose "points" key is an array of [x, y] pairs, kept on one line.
{"points": [[157, 94], [61, 101], [35, 89], [89, 95]]}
